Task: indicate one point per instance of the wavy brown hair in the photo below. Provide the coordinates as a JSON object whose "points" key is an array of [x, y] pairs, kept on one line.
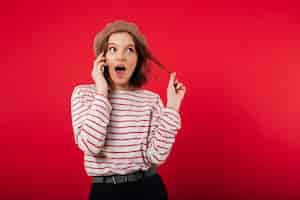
{"points": [[145, 57]]}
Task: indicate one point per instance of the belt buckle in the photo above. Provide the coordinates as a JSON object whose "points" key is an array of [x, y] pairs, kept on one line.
{"points": [[114, 180]]}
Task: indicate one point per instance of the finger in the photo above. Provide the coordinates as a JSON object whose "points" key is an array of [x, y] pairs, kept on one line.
{"points": [[100, 60], [99, 65], [172, 78], [102, 68], [178, 86], [176, 82], [99, 68], [183, 89], [101, 54], [100, 57]]}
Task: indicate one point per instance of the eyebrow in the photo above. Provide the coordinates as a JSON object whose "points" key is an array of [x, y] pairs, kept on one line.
{"points": [[112, 43]]}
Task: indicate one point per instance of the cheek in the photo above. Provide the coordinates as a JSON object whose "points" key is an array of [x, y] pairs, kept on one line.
{"points": [[133, 62]]}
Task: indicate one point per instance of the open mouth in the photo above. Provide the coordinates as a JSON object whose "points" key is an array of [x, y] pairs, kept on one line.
{"points": [[120, 68]]}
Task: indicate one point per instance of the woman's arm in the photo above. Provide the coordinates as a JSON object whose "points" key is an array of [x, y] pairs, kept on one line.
{"points": [[165, 123], [89, 120]]}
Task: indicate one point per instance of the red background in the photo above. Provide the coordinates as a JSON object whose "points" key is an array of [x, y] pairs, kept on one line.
{"points": [[240, 117]]}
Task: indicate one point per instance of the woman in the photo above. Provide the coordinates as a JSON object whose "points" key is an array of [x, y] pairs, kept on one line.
{"points": [[123, 130]]}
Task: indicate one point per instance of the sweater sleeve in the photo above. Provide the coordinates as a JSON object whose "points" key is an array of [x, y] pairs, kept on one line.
{"points": [[165, 124], [89, 120]]}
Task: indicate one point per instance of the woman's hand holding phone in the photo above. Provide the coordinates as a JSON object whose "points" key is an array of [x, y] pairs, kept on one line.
{"points": [[98, 75]]}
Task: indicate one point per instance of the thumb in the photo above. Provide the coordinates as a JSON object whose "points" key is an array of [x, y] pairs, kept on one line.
{"points": [[172, 79]]}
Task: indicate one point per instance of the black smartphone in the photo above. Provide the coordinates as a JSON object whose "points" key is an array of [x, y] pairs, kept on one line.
{"points": [[106, 73]]}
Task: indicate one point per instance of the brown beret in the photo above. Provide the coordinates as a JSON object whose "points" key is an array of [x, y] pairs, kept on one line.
{"points": [[117, 26]]}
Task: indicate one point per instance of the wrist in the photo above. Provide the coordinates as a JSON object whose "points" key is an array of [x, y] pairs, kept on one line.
{"points": [[173, 106], [101, 93]]}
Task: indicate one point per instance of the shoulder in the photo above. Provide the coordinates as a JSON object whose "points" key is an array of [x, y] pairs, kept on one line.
{"points": [[84, 89]]}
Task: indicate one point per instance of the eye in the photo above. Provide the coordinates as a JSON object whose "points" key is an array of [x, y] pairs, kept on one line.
{"points": [[130, 50], [112, 49]]}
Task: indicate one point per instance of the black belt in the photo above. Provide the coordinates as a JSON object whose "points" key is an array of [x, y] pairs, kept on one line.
{"points": [[116, 179]]}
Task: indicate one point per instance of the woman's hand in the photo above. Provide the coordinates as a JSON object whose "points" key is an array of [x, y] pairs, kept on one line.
{"points": [[98, 75], [175, 92]]}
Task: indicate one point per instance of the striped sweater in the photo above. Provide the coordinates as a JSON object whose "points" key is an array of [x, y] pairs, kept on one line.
{"points": [[123, 132]]}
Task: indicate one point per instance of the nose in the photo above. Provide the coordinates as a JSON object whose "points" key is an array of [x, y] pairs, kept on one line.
{"points": [[120, 56]]}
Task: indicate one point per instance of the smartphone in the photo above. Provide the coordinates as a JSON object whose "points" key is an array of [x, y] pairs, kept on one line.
{"points": [[106, 73]]}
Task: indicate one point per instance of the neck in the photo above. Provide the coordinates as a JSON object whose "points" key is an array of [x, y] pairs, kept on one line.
{"points": [[121, 87]]}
